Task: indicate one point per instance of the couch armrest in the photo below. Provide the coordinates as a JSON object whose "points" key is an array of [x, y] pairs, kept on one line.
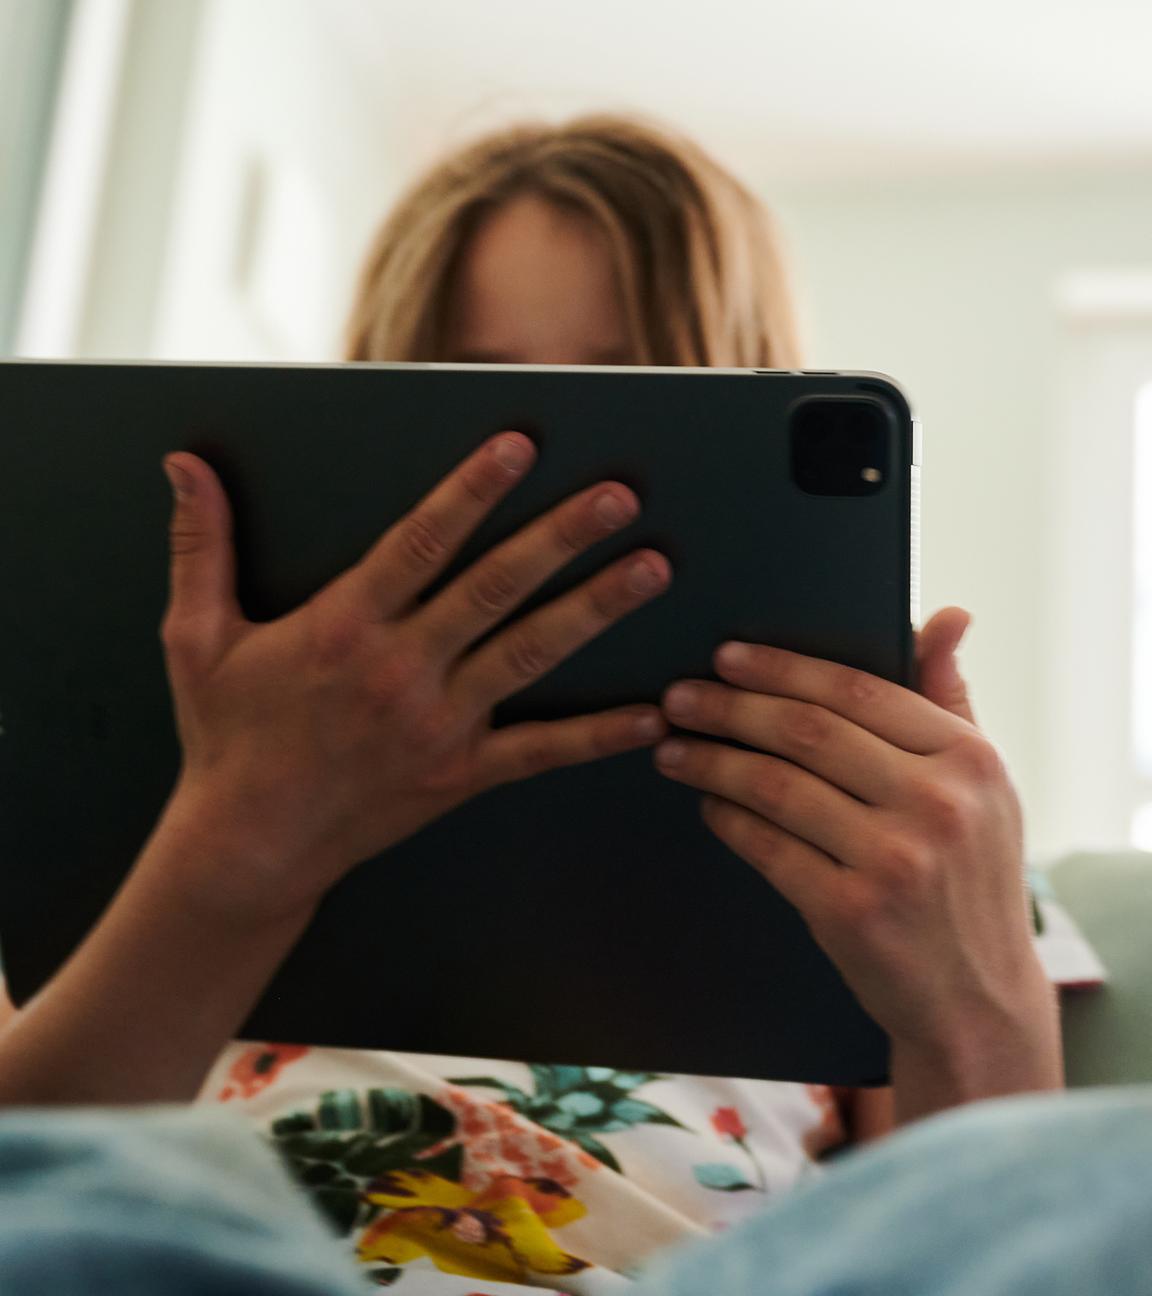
{"points": [[1108, 1032]]}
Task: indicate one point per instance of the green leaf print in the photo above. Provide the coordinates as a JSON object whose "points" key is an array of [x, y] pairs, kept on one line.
{"points": [[448, 1164], [556, 1080], [517, 1099], [597, 1149], [716, 1174], [340, 1205], [582, 1103], [624, 1080], [579, 1103], [352, 1137], [384, 1276], [634, 1112]]}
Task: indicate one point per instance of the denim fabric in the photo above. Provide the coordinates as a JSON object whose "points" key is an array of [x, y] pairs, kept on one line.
{"points": [[155, 1202], [1043, 1196], [1015, 1198]]}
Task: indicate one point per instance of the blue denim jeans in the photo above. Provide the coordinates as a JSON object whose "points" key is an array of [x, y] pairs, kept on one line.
{"points": [[1017, 1198], [167, 1201], [1043, 1196]]}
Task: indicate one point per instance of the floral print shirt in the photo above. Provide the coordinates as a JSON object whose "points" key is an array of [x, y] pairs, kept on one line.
{"points": [[464, 1177]]}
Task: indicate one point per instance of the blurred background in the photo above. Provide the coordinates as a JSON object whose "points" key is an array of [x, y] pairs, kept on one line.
{"points": [[965, 190]]}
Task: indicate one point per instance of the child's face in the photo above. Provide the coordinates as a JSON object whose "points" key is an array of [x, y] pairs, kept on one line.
{"points": [[536, 285]]}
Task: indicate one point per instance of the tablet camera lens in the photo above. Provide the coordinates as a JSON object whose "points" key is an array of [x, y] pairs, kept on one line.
{"points": [[840, 446]]}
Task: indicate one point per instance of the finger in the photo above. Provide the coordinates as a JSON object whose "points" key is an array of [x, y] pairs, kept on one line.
{"points": [[812, 737], [522, 750], [499, 582], [410, 554], [522, 653], [895, 714], [804, 876], [775, 790], [940, 678], [202, 606]]}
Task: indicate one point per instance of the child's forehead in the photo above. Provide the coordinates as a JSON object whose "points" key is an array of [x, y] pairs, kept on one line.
{"points": [[536, 284]]}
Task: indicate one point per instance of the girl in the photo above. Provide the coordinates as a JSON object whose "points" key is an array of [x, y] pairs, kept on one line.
{"points": [[884, 817]]}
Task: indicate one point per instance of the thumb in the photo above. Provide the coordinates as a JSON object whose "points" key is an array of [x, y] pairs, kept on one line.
{"points": [[940, 678], [202, 604]]}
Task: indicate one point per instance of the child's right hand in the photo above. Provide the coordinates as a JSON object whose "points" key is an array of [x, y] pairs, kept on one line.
{"points": [[316, 741]]}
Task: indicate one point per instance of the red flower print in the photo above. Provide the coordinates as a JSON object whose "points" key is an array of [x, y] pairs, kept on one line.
{"points": [[726, 1122], [498, 1141], [257, 1067]]}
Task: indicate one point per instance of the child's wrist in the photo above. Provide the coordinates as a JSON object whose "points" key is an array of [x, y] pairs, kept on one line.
{"points": [[988, 1056], [235, 864]]}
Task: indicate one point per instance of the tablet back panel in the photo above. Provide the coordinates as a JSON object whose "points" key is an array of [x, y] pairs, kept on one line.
{"points": [[585, 916]]}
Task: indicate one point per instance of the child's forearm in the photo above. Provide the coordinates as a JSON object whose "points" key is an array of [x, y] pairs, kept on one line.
{"points": [[1020, 1053], [165, 979]]}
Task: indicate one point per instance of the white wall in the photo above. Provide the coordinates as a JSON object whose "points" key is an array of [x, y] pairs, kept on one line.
{"points": [[287, 169], [105, 209], [950, 286]]}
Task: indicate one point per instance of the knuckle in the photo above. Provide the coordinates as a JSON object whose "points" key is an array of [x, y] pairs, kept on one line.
{"points": [[483, 480], [605, 600], [525, 656], [185, 537], [857, 687], [574, 529], [537, 754], [334, 639], [772, 787], [421, 541], [715, 706], [903, 860], [773, 667], [804, 728], [947, 810], [978, 757], [431, 728], [391, 678], [448, 779], [493, 590], [759, 843]]}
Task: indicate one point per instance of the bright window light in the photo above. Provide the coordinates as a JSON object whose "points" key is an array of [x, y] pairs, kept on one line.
{"points": [[1142, 827]]}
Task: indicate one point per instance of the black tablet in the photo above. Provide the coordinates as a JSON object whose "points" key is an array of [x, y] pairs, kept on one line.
{"points": [[584, 916]]}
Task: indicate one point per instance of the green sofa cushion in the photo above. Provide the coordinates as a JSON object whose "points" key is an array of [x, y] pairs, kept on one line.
{"points": [[1108, 1032]]}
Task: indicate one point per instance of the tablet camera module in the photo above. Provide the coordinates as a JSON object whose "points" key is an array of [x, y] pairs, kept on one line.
{"points": [[840, 446]]}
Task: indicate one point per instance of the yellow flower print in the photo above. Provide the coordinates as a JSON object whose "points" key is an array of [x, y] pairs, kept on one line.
{"points": [[501, 1233]]}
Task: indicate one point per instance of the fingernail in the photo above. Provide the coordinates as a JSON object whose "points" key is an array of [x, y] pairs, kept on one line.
{"points": [[680, 700], [612, 511], [512, 454], [671, 753], [182, 482], [643, 578], [733, 654]]}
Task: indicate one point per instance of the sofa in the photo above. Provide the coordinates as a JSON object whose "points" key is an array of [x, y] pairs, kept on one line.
{"points": [[1108, 1031]]}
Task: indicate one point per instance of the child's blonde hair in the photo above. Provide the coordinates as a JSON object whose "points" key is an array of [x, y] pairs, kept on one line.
{"points": [[699, 264]]}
